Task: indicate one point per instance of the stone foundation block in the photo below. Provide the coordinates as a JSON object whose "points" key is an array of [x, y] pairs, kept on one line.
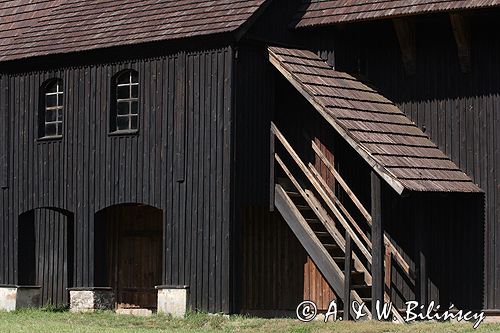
{"points": [[135, 312], [19, 297], [91, 299], [173, 300]]}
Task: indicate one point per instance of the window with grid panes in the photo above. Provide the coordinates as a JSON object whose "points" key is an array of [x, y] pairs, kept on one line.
{"points": [[51, 113], [126, 106]]}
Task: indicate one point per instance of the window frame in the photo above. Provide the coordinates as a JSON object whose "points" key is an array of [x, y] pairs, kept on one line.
{"points": [[130, 100], [58, 108]]}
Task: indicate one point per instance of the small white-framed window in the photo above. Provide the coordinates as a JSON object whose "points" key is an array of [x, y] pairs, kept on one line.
{"points": [[125, 111], [51, 109]]}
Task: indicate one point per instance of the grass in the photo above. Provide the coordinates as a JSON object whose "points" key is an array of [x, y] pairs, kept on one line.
{"points": [[50, 320]]}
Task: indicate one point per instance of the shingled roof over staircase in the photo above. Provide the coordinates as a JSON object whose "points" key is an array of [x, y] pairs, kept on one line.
{"points": [[41, 27], [323, 12], [381, 133]]}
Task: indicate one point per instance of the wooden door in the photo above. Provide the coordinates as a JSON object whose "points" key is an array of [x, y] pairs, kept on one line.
{"points": [[138, 256]]}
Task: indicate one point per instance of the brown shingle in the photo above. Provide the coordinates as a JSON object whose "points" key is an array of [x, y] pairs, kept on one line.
{"points": [[382, 134], [43, 27], [324, 12]]}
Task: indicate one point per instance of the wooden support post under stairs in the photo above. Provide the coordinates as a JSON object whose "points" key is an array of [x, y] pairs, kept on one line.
{"points": [[421, 248], [377, 243], [271, 172], [347, 275]]}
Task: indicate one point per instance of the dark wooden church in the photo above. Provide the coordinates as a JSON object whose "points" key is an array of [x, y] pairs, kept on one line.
{"points": [[254, 153]]}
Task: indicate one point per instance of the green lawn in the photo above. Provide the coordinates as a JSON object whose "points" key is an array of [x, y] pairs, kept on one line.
{"points": [[47, 321]]}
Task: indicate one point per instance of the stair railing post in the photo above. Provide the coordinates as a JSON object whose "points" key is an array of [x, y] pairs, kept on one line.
{"points": [[388, 269], [272, 150], [347, 275], [377, 244]]}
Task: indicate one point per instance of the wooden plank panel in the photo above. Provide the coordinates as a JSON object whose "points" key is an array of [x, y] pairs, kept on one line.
{"points": [[89, 169], [4, 136]]}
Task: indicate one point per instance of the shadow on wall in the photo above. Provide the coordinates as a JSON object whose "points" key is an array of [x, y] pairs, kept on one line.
{"points": [[129, 253], [442, 234]]}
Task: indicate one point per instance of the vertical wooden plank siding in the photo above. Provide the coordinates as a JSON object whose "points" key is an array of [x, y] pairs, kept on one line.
{"points": [[4, 129], [53, 260], [276, 273], [458, 111], [185, 125]]}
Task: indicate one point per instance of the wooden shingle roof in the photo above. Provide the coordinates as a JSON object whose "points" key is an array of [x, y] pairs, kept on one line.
{"points": [[41, 27], [381, 133], [324, 12]]}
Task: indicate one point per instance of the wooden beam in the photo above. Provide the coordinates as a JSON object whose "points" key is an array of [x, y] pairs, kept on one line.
{"points": [[323, 216], [461, 31], [341, 206], [320, 191], [377, 243], [405, 31], [421, 248], [341, 182], [347, 275], [399, 258], [323, 260], [388, 270], [271, 172]]}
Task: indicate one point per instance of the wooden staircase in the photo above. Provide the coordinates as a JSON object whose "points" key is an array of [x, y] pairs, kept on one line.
{"points": [[325, 228]]}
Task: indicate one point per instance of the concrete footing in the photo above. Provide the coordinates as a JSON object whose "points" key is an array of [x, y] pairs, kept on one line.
{"points": [[19, 297], [173, 300], [91, 299]]}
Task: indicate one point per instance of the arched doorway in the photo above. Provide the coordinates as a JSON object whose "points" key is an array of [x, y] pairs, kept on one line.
{"points": [[129, 253], [45, 253]]}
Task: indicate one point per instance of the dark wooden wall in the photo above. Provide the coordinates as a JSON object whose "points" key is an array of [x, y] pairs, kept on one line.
{"points": [[46, 251], [54, 265], [459, 113], [276, 273], [178, 162], [253, 111]]}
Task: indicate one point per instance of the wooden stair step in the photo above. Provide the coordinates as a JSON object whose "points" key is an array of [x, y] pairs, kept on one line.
{"points": [[322, 234], [331, 246], [286, 184], [293, 194], [341, 259], [361, 287], [357, 275], [313, 221], [303, 207]]}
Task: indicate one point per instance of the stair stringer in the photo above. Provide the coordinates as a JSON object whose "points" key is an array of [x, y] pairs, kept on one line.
{"points": [[323, 260]]}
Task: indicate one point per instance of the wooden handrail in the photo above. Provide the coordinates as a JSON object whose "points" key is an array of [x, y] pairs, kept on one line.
{"points": [[341, 182], [321, 192], [327, 195], [397, 256], [341, 206], [328, 223]]}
